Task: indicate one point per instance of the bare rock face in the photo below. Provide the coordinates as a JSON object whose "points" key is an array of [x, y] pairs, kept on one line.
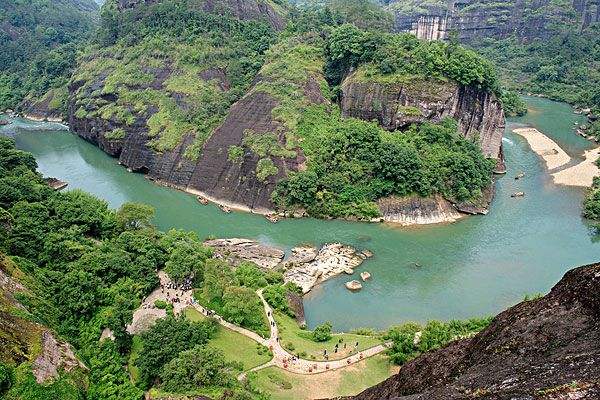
{"points": [[237, 250], [47, 108], [415, 210], [55, 357], [398, 105], [475, 19], [547, 348], [331, 260]]}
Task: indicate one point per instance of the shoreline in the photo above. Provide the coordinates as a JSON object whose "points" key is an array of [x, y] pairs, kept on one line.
{"points": [[406, 221], [579, 175], [553, 155]]}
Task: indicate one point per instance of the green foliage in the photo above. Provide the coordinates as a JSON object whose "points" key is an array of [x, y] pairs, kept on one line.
{"points": [[564, 66], [196, 368], [186, 260], [115, 134], [134, 216], [243, 307], [6, 377], [249, 275], [40, 40], [591, 204], [265, 168], [322, 333], [352, 163], [235, 154], [394, 57], [275, 295], [165, 340], [205, 62], [513, 104], [25, 387], [406, 344]]}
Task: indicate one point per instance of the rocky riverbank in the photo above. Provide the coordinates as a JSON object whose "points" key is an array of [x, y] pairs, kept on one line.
{"points": [[306, 266]]}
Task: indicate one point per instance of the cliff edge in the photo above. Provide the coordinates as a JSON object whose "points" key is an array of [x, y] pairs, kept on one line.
{"points": [[547, 348]]}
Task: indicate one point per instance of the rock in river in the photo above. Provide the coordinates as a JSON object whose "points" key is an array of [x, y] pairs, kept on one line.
{"points": [[333, 259], [306, 266], [236, 250], [354, 285]]}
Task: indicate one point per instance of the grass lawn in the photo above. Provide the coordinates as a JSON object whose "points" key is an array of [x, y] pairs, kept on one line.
{"points": [[136, 347], [235, 346], [284, 385], [290, 333]]}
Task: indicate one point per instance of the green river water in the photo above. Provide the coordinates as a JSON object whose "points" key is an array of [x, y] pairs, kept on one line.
{"points": [[477, 266]]}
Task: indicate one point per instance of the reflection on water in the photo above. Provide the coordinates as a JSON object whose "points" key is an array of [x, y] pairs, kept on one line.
{"points": [[477, 266]]}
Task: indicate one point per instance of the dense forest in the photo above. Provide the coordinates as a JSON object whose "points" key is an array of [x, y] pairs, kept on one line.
{"points": [[40, 40], [79, 268]]}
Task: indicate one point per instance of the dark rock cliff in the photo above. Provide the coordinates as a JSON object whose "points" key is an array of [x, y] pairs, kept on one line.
{"points": [[397, 105], [548, 348], [474, 19]]}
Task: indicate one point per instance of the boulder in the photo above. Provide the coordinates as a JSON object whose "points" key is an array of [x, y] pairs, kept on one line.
{"points": [[353, 285]]}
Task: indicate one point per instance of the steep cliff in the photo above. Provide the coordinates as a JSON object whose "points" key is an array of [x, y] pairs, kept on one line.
{"points": [[184, 125], [397, 105], [547, 348], [476, 19]]}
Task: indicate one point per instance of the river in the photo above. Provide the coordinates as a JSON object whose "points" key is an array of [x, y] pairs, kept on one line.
{"points": [[477, 266]]}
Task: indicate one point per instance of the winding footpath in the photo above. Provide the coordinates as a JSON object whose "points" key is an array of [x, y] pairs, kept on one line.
{"points": [[281, 357]]}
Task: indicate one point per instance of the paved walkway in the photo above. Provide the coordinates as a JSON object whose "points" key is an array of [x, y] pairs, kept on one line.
{"points": [[281, 357]]}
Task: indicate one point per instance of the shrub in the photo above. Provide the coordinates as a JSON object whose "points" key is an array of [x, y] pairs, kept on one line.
{"points": [[322, 333]]}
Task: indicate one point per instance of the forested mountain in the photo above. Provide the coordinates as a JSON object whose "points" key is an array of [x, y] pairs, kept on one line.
{"points": [[540, 46], [39, 45], [246, 102]]}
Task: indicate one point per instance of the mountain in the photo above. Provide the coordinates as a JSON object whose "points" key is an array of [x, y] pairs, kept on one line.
{"points": [[230, 105], [39, 46], [545, 348], [540, 46], [476, 19]]}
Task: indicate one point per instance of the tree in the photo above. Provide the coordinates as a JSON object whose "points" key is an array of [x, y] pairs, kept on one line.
{"points": [[243, 307], [196, 368], [249, 275], [166, 339], [217, 277], [77, 207], [322, 333], [132, 216], [187, 261], [403, 342], [275, 295]]}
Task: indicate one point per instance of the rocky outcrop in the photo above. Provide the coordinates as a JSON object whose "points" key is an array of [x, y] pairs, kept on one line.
{"points": [[548, 348], [416, 210], [331, 260], [236, 250], [398, 105], [50, 107], [476, 19], [306, 266], [23, 340]]}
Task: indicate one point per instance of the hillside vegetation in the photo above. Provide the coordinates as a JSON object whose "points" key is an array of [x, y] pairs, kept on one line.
{"points": [[196, 64], [40, 39]]}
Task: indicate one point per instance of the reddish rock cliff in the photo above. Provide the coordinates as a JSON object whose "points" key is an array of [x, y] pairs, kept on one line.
{"points": [[397, 105]]}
